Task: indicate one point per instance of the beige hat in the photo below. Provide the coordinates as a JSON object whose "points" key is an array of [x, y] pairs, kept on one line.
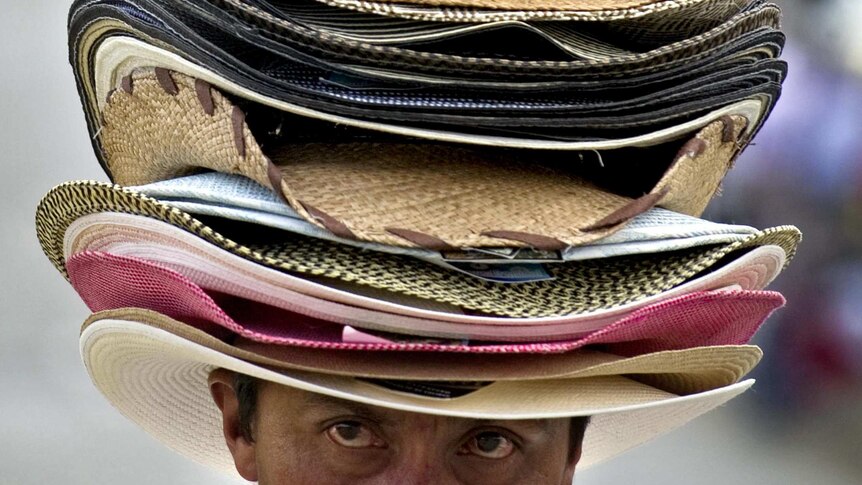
{"points": [[581, 287], [161, 125], [683, 371], [159, 380]]}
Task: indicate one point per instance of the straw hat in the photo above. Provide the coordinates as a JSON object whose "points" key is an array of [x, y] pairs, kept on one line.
{"points": [[158, 379], [684, 370], [577, 288], [234, 197], [214, 269], [106, 281], [161, 125]]}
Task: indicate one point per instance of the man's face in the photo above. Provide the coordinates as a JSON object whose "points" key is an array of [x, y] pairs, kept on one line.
{"points": [[306, 438]]}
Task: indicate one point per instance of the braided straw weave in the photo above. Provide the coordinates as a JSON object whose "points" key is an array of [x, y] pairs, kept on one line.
{"points": [[756, 17], [164, 125], [557, 10], [576, 288]]}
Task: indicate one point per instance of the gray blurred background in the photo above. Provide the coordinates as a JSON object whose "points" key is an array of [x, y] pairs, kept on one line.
{"points": [[802, 424]]}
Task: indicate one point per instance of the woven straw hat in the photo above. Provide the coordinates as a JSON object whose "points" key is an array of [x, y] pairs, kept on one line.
{"points": [[106, 281], [234, 197], [161, 125], [158, 379], [679, 371], [577, 288], [214, 269]]}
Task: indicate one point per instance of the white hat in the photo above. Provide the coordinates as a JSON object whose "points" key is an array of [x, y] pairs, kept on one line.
{"points": [[159, 380]]}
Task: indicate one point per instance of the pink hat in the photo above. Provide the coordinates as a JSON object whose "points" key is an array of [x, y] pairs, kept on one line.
{"points": [[106, 281]]}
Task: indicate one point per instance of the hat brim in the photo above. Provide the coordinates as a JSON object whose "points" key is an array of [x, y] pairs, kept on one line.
{"points": [[682, 371], [106, 281], [237, 198], [216, 269], [577, 288], [117, 57], [159, 381]]}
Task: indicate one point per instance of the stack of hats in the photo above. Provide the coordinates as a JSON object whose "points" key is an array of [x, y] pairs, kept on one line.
{"points": [[456, 207]]}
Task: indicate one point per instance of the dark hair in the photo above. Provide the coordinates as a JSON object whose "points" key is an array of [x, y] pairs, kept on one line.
{"points": [[246, 393]]}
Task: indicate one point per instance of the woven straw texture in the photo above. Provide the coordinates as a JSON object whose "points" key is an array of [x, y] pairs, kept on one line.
{"points": [[159, 381], [349, 50], [452, 195], [360, 306], [582, 10], [106, 282], [682, 371], [576, 288]]}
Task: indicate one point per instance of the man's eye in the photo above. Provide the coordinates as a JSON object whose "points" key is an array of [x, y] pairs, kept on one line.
{"points": [[353, 434], [489, 445]]}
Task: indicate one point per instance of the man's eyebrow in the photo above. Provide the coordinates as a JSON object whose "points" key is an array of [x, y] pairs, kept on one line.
{"points": [[533, 425], [314, 400], [384, 417]]}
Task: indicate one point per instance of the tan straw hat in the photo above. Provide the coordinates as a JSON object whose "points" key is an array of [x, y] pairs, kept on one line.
{"points": [[576, 288], [159, 380], [682, 371], [160, 125]]}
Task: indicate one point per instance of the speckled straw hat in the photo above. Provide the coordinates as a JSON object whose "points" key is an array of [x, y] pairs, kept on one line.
{"points": [[161, 125], [159, 380], [576, 288]]}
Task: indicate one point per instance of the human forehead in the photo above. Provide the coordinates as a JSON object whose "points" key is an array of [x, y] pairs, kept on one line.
{"points": [[310, 404]]}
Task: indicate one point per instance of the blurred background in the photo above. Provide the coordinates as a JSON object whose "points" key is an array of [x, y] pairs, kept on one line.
{"points": [[802, 424]]}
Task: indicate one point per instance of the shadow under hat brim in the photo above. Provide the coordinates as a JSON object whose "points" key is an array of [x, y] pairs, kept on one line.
{"points": [[159, 381]]}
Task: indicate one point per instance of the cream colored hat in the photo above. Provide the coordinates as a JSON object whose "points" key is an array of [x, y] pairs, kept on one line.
{"points": [[159, 380], [681, 371]]}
